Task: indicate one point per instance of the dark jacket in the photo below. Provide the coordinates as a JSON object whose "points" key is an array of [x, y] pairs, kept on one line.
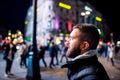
{"points": [[41, 52], [52, 51], [6, 53], [87, 68]]}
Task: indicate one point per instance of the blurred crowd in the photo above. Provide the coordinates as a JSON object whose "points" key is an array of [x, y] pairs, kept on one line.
{"points": [[10, 48]]}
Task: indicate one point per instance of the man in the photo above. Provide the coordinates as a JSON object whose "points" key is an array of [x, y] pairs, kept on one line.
{"points": [[52, 54], [9, 56], [84, 64], [42, 54], [23, 55]]}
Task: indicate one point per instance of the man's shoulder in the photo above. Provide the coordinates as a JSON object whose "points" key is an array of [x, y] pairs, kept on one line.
{"points": [[90, 73]]}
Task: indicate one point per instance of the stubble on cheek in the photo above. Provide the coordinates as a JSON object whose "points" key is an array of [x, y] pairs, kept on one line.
{"points": [[68, 52], [72, 52]]}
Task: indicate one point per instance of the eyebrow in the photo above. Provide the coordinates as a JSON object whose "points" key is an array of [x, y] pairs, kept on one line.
{"points": [[73, 36]]}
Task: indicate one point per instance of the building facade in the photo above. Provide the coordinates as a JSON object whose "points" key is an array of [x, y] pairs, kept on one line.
{"points": [[55, 19]]}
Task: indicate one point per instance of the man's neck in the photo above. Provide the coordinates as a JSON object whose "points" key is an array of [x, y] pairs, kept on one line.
{"points": [[86, 54]]}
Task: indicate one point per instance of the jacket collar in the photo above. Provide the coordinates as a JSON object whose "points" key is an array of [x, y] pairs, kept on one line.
{"points": [[87, 55]]}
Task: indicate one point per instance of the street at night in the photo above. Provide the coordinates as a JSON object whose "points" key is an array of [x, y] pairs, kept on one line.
{"points": [[56, 73], [75, 29]]}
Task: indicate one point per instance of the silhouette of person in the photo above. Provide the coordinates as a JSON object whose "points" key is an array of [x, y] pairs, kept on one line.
{"points": [[9, 56], [52, 54], [41, 55], [23, 55]]}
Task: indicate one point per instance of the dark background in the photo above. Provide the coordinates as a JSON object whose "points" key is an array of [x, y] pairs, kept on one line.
{"points": [[13, 12], [109, 9]]}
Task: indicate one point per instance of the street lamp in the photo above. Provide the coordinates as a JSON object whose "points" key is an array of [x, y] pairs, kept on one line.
{"points": [[33, 72], [85, 15]]}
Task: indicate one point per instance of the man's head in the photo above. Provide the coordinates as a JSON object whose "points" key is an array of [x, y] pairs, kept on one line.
{"points": [[84, 37]]}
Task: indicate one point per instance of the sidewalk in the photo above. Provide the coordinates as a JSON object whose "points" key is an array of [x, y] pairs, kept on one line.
{"points": [[56, 73], [113, 71], [20, 73]]}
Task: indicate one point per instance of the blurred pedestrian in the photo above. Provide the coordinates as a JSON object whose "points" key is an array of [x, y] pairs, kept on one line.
{"points": [[83, 63], [9, 54], [24, 55], [52, 54], [101, 47], [56, 54], [111, 52], [63, 53], [42, 54]]}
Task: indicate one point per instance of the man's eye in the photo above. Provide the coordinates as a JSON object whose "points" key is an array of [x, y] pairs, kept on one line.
{"points": [[71, 37]]}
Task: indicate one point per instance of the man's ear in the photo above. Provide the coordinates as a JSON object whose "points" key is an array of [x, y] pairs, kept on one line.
{"points": [[85, 45]]}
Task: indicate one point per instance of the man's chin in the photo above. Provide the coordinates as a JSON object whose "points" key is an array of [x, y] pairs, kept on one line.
{"points": [[69, 55]]}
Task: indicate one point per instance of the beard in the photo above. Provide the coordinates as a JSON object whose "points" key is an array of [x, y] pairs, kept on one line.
{"points": [[73, 52]]}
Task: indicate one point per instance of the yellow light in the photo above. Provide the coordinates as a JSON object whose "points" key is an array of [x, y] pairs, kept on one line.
{"points": [[57, 41], [67, 35], [26, 22], [38, 9], [63, 5], [9, 32], [19, 33], [98, 18], [13, 35], [15, 41], [8, 37]]}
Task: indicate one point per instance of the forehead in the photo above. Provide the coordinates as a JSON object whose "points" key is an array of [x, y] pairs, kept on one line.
{"points": [[75, 32]]}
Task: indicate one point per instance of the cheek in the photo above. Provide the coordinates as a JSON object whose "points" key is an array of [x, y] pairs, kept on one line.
{"points": [[73, 44], [73, 49]]}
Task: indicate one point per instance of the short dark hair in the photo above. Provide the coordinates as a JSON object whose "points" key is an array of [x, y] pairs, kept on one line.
{"points": [[90, 34]]}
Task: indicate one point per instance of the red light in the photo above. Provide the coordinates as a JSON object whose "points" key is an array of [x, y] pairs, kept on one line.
{"points": [[69, 26]]}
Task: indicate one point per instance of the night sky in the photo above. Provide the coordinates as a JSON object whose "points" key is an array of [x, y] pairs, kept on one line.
{"points": [[13, 12]]}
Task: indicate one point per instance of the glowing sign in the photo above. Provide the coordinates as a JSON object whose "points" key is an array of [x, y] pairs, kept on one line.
{"points": [[57, 23], [63, 5], [98, 18], [69, 26], [88, 8]]}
